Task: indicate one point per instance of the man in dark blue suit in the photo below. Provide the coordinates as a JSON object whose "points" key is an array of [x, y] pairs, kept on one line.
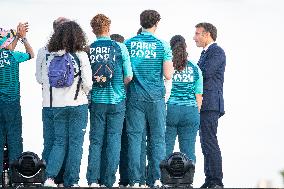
{"points": [[212, 63]]}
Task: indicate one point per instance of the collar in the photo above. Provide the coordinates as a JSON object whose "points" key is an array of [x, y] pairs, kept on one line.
{"points": [[103, 38], [144, 32], [207, 46]]}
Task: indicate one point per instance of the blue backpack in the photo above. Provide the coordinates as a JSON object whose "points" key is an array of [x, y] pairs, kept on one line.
{"points": [[58, 76], [103, 68], [61, 71]]}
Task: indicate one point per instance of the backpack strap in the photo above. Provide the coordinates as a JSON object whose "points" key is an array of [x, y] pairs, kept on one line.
{"points": [[78, 86], [50, 96], [79, 74], [113, 51]]}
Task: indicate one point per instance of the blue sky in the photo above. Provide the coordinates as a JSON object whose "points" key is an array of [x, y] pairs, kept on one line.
{"points": [[250, 31]]}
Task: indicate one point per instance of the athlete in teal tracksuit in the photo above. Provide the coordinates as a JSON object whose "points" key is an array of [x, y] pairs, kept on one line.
{"points": [[151, 58], [10, 109], [108, 103], [185, 101]]}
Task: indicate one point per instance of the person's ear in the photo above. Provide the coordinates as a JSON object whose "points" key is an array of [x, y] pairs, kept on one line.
{"points": [[208, 35], [157, 24]]}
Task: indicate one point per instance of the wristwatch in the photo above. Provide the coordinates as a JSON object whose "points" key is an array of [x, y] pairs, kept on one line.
{"points": [[23, 40]]}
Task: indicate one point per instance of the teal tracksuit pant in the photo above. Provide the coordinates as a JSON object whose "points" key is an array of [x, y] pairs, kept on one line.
{"points": [[123, 163], [10, 128], [106, 121], [182, 121], [48, 139], [138, 114], [69, 129]]}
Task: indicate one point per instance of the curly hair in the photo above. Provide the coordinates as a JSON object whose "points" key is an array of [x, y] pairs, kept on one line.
{"points": [[178, 47], [69, 36], [117, 37], [100, 24], [208, 28], [149, 18]]}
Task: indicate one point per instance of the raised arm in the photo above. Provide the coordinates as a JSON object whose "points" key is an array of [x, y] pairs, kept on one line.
{"points": [[22, 30]]}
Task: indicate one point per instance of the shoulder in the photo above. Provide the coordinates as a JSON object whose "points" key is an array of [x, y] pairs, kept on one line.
{"points": [[215, 48], [166, 46], [122, 46], [193, 63], [97, 43], [127, 41], [163, 42], [42, 51], [83, 56]]}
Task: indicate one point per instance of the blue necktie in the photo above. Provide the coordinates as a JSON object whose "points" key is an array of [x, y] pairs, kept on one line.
{"points": [[201, 57]]}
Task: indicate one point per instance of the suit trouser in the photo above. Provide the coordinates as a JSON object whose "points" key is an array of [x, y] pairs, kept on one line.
{"points": [[138, 113], [210, 147], [106, 121], [69, 129], [10, 129], [182, 121]]}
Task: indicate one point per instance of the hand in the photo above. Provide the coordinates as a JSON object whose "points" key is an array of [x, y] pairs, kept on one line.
{"points": [[22, 29]]}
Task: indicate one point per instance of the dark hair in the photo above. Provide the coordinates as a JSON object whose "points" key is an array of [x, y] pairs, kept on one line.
{"points": [[69, 37], [59, 21], [208, 28], [178, 47], [139, 31], [100, 24], [149, 18], [117, 37]]}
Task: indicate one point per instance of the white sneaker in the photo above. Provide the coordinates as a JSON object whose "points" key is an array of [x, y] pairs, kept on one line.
{"points": [[61, 185], [94, 185], [103, 186], [75, 185], [136, 185], [49, 183], [144, 186], [157, 184]]}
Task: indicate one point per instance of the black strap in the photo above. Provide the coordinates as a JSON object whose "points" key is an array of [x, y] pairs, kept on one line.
{"points": [[80, 78], [50, 96], [78, 86]]}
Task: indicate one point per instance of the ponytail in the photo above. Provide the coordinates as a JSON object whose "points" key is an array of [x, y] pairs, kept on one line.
{"points": [[178, 46]]}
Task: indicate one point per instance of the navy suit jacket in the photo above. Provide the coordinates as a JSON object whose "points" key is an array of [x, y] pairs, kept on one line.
{"points": [[212, 64]]}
